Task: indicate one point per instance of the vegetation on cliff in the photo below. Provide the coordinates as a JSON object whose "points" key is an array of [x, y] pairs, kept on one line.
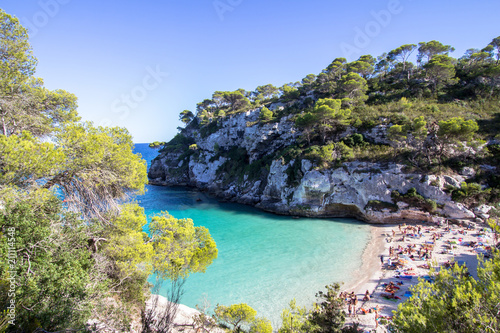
{"points": [[438, 115]]}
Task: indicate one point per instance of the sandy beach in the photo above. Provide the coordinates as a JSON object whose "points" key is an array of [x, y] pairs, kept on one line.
{"points": [[435, 245]]}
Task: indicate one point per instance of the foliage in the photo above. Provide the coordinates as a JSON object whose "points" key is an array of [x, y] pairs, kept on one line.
{"points": [[457, 129], [52, 265], [328, 315], [157, 144], [186, 116], [414, 199], [472, 194], [179, 143], [236, 315], [325, 155], [265, 114], [80, 253], [208, 129], [180, 248], [261, 325], [294, 319], [24, 103], [380, 205], [91, 154], [329, 115], [454, 302], [132, 256], [306, 122]]}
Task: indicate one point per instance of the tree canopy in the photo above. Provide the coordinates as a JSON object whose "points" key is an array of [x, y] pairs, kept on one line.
{"points": [[454, 302], [64, 185]]}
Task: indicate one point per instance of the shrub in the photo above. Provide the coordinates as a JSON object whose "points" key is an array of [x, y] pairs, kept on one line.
{"points": [[414, 199]]}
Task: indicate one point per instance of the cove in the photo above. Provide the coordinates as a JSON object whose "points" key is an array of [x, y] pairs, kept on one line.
{"points": [[265, 260]]}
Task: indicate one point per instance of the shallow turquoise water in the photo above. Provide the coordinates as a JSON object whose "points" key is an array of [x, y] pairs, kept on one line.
{"points": [[264, 260]]}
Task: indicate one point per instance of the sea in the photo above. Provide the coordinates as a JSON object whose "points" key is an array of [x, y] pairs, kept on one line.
{"points": [[265, 260]]}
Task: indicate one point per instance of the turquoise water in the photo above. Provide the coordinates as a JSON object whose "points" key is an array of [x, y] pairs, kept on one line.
{"points": [[264, 260]]}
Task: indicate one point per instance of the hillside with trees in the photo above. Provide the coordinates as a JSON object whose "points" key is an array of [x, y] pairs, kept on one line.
{"points": [[436, 116]]}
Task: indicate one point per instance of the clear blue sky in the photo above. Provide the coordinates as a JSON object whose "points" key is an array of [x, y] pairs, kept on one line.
{"points": [[115, 55]]}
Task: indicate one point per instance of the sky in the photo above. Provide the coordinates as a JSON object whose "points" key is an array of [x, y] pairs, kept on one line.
{"points": [[138, 64]]}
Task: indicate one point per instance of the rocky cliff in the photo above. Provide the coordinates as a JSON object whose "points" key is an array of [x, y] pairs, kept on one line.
{"points": [[238, 160]]}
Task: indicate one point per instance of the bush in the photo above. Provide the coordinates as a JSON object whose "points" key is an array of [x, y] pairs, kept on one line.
{"points": [[414, 199], [381, 205]]}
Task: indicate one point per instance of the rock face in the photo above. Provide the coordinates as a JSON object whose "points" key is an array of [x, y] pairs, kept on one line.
{"points": [[355, 189]]}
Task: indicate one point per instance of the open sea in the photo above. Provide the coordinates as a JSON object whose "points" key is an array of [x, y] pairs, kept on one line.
{"points": [[265, 260]]}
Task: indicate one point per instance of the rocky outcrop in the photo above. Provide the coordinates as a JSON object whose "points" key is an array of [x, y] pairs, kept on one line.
{"points": [[355, 189]]}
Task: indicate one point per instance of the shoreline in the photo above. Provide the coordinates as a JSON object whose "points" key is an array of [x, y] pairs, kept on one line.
{"points": [[446, 243], [370, 268]]}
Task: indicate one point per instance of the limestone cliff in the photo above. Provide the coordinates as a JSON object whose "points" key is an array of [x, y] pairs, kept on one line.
{"points": [[238, 161]]}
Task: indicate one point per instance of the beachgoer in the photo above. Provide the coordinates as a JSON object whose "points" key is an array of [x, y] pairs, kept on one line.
{"points": [[382, 259], [367, 296]]}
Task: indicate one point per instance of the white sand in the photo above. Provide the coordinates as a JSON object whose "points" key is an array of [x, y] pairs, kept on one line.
{"points": [[376, 275]]}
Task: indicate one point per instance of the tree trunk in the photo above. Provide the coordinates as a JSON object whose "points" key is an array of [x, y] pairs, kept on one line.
{"points": [[4, 126]]}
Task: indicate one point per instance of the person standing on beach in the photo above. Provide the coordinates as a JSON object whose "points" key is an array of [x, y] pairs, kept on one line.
{"points": [[382, 259]]}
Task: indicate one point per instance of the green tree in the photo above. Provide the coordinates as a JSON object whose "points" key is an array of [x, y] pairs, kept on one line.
{"points": [[330, 114], [294, 319], [363, 68], [354, 87], [290, 91], [440, 70], [124, 243], [266, 92], [52, 264], [180, 248], [186, 116], [99, 167], [402, 53], [157, 144], [454, 302], [452, 132], [456, 130], [309, 79], [427, 50], [235, 100], [328, 315], [236, 315], [413, 132], [261, 325], [336, 68], [24, 103], [383, 65], [306, 122], [266, 114]]}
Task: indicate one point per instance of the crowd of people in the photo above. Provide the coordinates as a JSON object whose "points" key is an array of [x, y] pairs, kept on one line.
{"points": [[410, 252]]}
